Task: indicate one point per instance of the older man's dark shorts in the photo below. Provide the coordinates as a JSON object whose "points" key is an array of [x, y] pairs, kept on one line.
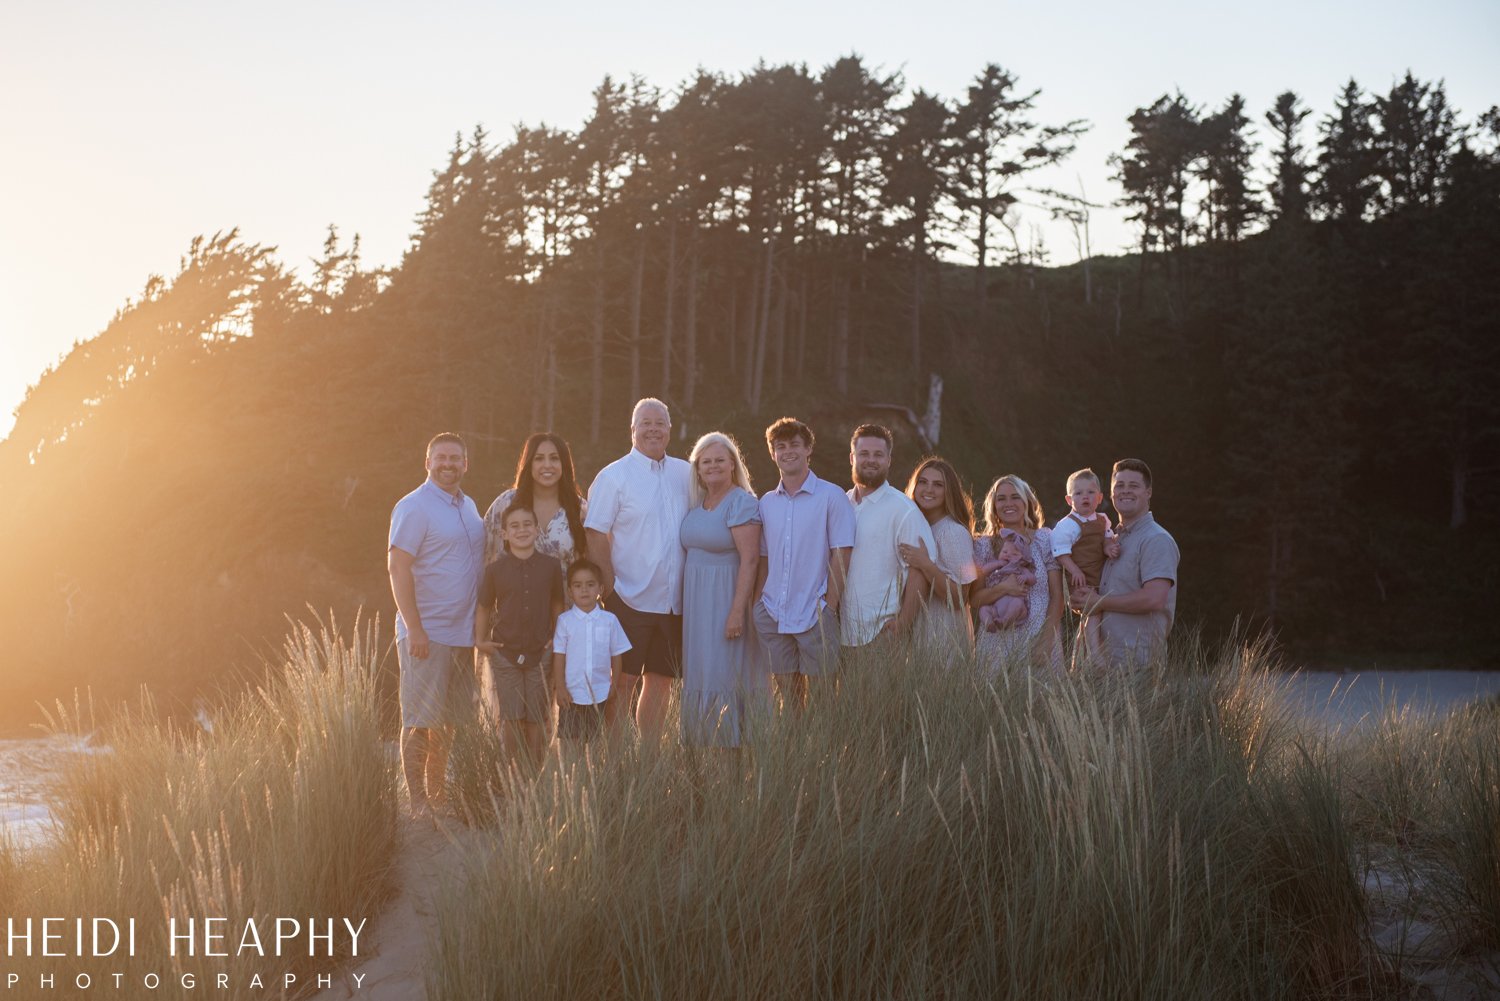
{"points": [[655, 640]]}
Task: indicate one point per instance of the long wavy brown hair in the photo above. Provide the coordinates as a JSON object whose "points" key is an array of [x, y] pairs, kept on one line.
{"points": [[567, 486], [955, 498]]}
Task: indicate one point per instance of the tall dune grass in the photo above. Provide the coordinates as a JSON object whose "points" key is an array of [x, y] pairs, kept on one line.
{"points": [[933, 834], [1469, 835], [1425, 790], [285, 807]]}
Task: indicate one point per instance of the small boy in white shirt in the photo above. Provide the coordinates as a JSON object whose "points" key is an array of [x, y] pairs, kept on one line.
{"points": [[1083, 540], [586, 649]]}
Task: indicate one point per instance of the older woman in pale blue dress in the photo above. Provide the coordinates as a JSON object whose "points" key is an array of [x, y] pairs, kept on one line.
{"points": [[1011, 503], [723, 671]]}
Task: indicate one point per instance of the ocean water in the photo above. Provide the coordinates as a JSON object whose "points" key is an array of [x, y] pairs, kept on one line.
{"points": [[1355, 698], [28, 767]]}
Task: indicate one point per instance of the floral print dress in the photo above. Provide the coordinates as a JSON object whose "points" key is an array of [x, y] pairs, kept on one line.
{"points": [[994, 649]]}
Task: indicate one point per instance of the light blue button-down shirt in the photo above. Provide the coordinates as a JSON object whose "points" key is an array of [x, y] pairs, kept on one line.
{"points": [[798, 531], [445, 536]]}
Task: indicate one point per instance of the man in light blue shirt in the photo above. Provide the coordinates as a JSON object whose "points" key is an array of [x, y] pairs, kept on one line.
{"points": [[807, 534], [435, 557]]}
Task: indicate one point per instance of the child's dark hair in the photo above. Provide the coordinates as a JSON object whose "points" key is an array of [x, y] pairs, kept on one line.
{"points": [[581, 565], [515, 505]]}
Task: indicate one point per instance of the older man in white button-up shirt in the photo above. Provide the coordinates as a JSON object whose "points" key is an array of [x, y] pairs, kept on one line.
{"points": [[636, 507]]}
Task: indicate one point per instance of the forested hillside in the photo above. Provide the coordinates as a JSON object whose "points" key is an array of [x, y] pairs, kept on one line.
{"points": [[1304, 347]]}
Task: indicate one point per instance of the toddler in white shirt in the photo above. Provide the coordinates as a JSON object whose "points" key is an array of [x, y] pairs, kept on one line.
{"points": [[1082, 541]]}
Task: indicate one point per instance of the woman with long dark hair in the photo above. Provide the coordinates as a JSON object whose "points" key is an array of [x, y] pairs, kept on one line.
{"points": [[944, 576], [545, 484]]}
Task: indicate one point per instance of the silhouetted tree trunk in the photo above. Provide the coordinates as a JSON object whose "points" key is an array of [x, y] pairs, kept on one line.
{"points": [[731, 327], [669, 313], [637, 280], [779, 369], [840, 363], [801, 353], [748, 327], [763, 325], [551, 415], [690, 324], [1458, 515], [916, 308], [596, 345]]}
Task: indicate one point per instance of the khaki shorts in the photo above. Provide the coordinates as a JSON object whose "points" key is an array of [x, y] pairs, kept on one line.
{"points": [[812, 652], [514, 692], [437, 690]]}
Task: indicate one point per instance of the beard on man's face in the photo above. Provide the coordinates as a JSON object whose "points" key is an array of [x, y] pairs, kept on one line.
{"points": [[867, 478]]}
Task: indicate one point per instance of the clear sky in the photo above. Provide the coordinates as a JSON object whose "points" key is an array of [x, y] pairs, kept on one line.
{"points": [[126, 129]]}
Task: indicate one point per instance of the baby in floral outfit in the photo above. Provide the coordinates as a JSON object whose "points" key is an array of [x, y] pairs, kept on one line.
{"points": [[1013, 561]]}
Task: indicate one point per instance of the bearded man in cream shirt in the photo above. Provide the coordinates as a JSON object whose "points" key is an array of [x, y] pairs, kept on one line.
{"points": [[884, 518]]}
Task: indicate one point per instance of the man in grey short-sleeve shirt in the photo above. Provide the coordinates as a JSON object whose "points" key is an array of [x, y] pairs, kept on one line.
{"points": [[1137, 594], [435, 557]]}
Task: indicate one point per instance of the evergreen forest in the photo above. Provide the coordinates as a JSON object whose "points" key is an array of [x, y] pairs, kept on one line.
{"points": [[1303, 343]]}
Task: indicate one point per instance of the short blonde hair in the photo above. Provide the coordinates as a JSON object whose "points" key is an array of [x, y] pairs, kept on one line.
{"points": [[740, 474], [1085, 473]]}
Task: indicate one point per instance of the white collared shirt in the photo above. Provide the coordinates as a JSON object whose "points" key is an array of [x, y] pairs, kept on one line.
{"points": [[872, 596], [640, 503], [588, 640]]}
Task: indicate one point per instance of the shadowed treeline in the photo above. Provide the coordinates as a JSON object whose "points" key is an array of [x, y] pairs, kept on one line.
{"points": [[1303, 347]]}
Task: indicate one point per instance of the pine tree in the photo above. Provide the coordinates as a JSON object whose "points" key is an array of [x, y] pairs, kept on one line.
{"points": [[994, 144], [1231, 204], [1347, 159], [1416, 136], [857, 118], [1288, 188], [1165, 142], [915, 168], [602, 151]]}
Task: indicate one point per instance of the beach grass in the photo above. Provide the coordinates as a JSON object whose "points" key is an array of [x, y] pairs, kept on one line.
{"points": [[1183, 831], [934, 833], [1425, 789], [282, 803]]}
